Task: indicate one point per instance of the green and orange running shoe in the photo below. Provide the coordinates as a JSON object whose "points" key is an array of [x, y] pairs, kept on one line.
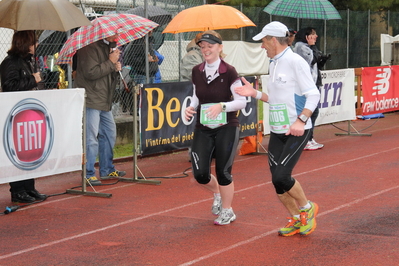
{"points": [[308, 219], [293, 227]]}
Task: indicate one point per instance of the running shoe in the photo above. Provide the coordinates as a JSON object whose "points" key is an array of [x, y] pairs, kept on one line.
{"points": [[93, 181], [114, 174], [317, 145], [312, 145], [292, 227], [226, 216], [216, 205], [308, 219]]}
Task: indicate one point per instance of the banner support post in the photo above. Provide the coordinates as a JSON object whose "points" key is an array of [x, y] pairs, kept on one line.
{"points": [[358, 74], [349, 133], [135, 178]]}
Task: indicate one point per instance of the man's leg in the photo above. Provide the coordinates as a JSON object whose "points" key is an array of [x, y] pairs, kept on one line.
{"points": [[293, 198], [106, 140], [92, 125]]}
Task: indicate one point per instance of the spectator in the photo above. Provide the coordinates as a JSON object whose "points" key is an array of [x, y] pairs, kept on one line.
{"points": [[192, 58], [19, 73], [158, 76], [291, 36], [97, 69], [135, 56], [292, 98], [305, 46], [214, 81]]}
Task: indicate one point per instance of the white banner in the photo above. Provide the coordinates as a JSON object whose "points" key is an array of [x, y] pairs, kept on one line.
{"points": [[41, 133], [337, 98]]}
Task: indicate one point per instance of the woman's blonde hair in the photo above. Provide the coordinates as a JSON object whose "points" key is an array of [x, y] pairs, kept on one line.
{"points": [[216, 34]]}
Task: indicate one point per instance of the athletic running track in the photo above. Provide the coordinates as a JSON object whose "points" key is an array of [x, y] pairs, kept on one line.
{"points": [[354, 179]]}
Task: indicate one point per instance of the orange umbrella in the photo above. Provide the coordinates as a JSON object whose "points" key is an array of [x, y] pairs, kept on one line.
{"points": [[208, 17]]}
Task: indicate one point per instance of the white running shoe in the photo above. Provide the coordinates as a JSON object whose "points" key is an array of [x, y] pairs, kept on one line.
{"points": [[226, 216], [216, 205], [312, 145]]}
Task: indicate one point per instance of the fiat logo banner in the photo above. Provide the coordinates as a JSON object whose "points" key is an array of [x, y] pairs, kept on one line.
{"points": [[28, 134]]}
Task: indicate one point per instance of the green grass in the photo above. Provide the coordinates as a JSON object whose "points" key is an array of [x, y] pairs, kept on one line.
{"points": [[123, 150]]}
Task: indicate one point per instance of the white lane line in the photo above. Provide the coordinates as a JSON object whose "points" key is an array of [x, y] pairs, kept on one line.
{"points": [[51, 243]]}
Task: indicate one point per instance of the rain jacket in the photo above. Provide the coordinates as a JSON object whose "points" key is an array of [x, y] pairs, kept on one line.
{"points": [[190, 60], [97, 74], [304, 50]]}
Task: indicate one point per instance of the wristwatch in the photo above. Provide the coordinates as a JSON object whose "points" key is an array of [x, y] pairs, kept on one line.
{"points": [[223, 107], [303, 118]]}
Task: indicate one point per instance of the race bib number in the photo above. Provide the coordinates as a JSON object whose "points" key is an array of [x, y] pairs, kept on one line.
{"points": [[278, 117], [220, 120]]}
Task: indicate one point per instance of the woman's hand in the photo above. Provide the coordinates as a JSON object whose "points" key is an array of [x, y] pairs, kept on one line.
{"points": [[189, 113], [213, 111], [37, 76]]}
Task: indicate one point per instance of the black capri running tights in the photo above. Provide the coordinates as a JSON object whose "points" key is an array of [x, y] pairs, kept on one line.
{"points": [[220, 143], [284, 152]]}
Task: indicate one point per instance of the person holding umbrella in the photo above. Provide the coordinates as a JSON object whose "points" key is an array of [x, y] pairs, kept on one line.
{"points": [[214, 99], [97, 70], [305, 46], [19, 73], [292, 97]]}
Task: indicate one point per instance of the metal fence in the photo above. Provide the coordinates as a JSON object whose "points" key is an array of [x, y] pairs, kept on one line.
{"points": [[353, 41]]}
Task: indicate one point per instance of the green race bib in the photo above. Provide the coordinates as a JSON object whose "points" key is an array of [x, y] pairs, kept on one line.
{"points": [[278, 118], [220, 120]]}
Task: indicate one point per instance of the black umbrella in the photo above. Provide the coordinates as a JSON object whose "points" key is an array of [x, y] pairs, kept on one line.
{"points": [[156, 14], [51, 41]]}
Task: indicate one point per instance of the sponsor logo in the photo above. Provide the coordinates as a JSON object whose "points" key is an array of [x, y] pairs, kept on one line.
{"points": [[28, 134]]}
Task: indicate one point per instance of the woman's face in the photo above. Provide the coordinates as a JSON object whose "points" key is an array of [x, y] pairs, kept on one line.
{"points": [[312, 38], [211, 52], [32, 48]]}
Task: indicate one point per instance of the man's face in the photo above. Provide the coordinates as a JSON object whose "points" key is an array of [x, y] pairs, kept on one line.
{"points": [[268, 43], [113, 38]]}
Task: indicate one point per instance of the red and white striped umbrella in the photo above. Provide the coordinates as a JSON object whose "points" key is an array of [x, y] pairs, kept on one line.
{"points": [[128, 26]]}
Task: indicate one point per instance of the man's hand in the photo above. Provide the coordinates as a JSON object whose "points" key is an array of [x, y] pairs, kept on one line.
{"points": [[246, 90], [118, 66], [114, 56], [296, 129]]}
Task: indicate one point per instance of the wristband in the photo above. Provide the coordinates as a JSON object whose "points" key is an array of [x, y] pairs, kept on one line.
{"points": [[258, 95]]}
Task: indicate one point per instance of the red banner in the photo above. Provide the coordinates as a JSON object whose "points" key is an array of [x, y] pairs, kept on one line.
{"points": [[380, 93]]}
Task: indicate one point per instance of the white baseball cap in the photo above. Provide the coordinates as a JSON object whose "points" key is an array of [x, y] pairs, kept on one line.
{"points": [[275, 29]]}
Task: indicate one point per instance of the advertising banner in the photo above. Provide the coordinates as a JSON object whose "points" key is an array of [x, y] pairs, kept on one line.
{"points": [[162, 124], [41, 133], [337, 96], [379, 91]]}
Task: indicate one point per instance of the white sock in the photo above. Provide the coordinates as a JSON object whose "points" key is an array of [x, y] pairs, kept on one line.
{"points": [[307, 206], [296, 216], [216, 195]]}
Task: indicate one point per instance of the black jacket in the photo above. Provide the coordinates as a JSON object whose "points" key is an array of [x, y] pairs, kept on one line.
{"points": [[16, 73], [135, 57]]}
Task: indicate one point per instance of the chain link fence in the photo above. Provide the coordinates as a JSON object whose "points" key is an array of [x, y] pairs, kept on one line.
{"points": [[353, 41]]}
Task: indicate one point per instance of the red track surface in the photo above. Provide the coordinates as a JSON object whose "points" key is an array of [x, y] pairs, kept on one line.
{"points": [[354, 179]]}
